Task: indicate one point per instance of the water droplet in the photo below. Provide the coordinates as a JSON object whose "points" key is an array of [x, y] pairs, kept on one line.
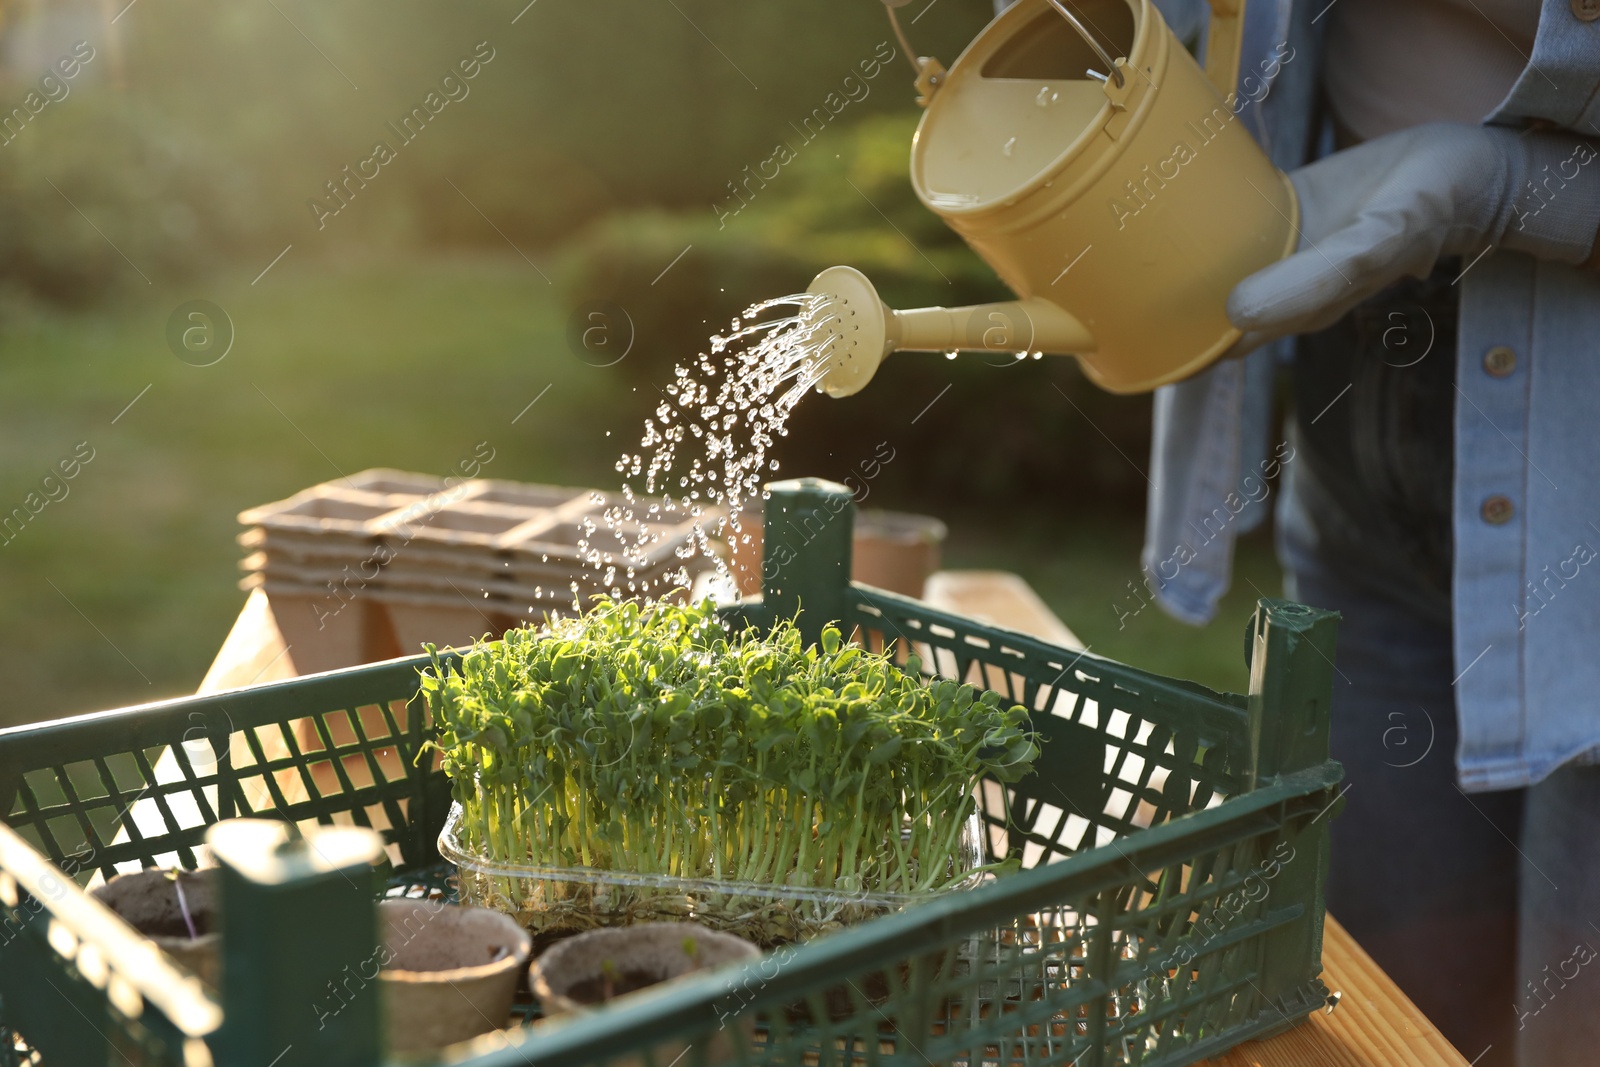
{"points": [[761, 370], [952, 354]]}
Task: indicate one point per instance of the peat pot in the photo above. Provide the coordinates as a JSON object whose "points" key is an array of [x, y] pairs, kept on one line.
{"points": [[576, 975], [450, 972], [175, 909]]}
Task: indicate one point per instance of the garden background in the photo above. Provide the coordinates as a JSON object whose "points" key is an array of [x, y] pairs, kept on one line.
{"points": [[596, 158]]}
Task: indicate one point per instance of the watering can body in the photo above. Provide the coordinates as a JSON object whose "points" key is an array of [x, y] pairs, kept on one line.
{"points": [[1121, 211]]}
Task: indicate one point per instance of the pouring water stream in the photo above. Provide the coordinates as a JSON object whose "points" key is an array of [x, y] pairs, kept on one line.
{"points": [[704, 451]]}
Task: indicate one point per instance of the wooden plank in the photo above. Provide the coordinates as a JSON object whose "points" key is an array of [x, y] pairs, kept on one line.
{"points": [[1001, 598], [253, 652], [1375, 1025]]}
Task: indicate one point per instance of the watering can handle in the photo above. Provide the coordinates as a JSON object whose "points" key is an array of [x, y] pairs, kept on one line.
{"points": [[1112, 69], [1224, 40]]}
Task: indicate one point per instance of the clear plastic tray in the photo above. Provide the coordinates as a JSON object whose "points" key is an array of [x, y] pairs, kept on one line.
{"points": [[555, 902]]}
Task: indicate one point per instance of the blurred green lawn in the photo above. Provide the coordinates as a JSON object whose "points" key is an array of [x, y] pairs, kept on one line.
{"points": [[122, 591]]}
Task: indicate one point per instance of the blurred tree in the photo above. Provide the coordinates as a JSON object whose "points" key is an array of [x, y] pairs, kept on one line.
{"points": [[583, 110]]}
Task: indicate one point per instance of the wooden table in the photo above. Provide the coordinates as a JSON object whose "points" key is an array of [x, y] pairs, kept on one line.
{"points": [[1374, 1025]]}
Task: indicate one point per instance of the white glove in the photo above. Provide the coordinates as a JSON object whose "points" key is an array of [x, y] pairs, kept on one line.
{"points": [[1393, 206]]}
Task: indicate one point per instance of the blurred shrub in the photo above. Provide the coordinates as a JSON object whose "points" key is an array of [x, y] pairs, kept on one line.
{"points": [[823, 208], [203, 129], [110, 202]]}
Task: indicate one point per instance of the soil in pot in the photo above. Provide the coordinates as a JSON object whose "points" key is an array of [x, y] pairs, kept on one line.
{"points": [[592, 968], [174, 908], [582, 973], [607, 987]]}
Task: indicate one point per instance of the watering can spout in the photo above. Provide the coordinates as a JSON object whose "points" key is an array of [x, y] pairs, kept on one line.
{"points": [[861, 330]]}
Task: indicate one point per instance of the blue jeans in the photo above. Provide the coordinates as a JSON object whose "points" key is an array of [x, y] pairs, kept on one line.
{"points": [[1423, 876], [1484, 908]]}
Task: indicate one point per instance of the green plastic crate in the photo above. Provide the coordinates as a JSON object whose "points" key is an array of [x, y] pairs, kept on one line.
{"points": [[1174, 844]]}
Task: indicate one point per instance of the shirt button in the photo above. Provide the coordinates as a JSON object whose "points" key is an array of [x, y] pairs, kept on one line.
{"points": [[1500, 361], [1587, 10], [1497, 509]]}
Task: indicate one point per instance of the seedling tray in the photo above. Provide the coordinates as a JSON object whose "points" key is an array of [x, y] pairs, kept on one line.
{"points": [[419, 559], [1173, 845], [553, 902], [472, 522]]}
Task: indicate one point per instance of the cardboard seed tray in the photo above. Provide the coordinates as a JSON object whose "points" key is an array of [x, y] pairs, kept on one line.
{"points": [[417, 559]]}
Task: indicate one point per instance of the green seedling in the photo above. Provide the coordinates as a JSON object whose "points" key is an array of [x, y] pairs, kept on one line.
{"points": [[175, 877], [652, 739]]}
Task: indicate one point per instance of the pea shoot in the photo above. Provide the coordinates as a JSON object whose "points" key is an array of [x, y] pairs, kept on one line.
{"points": [[650, 738]]}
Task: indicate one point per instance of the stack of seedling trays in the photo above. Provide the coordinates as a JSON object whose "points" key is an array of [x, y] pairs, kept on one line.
{"points": [[379, 563]]}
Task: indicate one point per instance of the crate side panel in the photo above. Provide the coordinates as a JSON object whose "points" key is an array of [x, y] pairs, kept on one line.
{"points": [[124, 790]]}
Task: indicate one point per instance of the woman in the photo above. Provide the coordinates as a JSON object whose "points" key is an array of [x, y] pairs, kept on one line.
{"points": [[1442, 494]]}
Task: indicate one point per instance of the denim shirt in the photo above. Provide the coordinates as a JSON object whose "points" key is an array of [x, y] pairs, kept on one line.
{"points": [[1526, 582]]}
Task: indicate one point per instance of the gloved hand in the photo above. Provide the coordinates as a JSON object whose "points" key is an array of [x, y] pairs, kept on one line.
{"points": [[1393, 206]]}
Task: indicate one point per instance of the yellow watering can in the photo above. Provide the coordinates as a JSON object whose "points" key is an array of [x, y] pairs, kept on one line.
{"points": [[1080, 150]]}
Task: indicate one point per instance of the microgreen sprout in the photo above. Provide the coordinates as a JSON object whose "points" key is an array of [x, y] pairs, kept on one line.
{"points": [[650, 738], [176, 878]]}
